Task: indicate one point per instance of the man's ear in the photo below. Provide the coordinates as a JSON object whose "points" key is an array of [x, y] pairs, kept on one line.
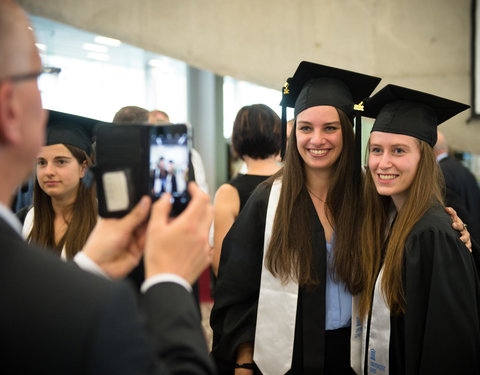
{"points": [[10, 131]]}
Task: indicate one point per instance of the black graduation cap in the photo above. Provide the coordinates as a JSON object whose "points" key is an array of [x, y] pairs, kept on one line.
{"points": [[71, 129], [401, 110], [315, 84]]}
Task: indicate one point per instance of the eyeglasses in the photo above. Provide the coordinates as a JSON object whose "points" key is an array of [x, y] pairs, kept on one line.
{"points": [[23, 77]]}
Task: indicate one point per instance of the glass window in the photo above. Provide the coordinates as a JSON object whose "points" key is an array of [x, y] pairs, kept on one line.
{"points": [[237, 94], [100, 75]]}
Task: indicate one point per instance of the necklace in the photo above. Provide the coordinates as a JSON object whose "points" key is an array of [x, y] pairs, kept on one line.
{"points": [[316, 196]]}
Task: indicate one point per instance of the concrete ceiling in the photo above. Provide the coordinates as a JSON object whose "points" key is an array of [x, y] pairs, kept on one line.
{"points": [[421, 44]]}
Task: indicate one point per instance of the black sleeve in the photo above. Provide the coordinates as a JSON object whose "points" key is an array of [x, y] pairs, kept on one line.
{"points": [[173, 342], [173, 320], [476, 254], [234, 312], [442, 322]]}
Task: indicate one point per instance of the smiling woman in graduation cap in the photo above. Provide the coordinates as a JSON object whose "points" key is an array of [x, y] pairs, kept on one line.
{"points": [[420, 306], [64, 208], [290, 260]]}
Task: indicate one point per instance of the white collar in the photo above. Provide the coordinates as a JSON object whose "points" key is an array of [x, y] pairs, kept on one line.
{"points": [[12, 220], [442, 156]]}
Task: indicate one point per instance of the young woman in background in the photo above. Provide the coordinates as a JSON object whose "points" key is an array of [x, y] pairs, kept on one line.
{"points": [[64, 208]]}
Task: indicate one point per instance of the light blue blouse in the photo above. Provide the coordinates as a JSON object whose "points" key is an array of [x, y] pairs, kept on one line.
{"points": [[338, 301]]}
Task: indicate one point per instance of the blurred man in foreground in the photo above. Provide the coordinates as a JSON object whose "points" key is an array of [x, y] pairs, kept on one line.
{"points": [[58, 319]]}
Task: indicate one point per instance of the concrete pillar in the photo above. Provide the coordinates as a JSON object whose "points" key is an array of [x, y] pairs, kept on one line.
{"points": [[205, 114]]}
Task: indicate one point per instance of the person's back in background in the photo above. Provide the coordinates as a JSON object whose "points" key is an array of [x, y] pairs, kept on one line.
{"points": [[462, 191], [256, 139]]}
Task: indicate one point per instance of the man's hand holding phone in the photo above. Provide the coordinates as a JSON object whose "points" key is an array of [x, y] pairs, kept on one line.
{"points": [[138, 160], [170, 245], [116, 245], [179, 245]]}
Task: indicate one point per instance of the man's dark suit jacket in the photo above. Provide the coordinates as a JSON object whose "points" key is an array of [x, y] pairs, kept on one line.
{"points": [[57, 319], [463, 193]]}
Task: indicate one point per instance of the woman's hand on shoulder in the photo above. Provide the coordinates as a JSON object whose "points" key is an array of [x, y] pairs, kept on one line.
{"points": [[461, 227]]}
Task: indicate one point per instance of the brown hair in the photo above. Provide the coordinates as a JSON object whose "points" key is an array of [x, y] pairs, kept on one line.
{"points": [[131, 115], [256, 132], [290, 251], [420, 197], [83, 214]]}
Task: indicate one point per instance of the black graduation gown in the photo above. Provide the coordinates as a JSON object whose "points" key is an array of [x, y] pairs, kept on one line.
{"points": [[440, 331], [233, 317], [476, 255], [245, 185]]}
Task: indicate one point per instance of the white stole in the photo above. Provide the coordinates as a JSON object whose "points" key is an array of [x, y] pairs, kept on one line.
{"points": [[357, 339], [28, 223], [277, 309], [379, 338]]}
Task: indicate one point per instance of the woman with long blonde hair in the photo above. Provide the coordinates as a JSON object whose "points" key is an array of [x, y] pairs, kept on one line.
{"points": [[419, 310]]}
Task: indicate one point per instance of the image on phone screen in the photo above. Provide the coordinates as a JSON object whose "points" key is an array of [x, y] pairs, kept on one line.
{"points": [[169, 157]]}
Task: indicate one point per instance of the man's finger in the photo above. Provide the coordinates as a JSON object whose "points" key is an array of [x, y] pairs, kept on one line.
{"points": [[161, 210], [195, 206], [138, 214]]}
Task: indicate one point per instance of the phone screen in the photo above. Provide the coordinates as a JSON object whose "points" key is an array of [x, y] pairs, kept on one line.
{"points": [[169, 163]]}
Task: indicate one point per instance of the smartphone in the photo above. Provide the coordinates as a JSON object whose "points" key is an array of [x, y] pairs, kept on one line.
{"points": [[138, 160], [169, 164]]}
